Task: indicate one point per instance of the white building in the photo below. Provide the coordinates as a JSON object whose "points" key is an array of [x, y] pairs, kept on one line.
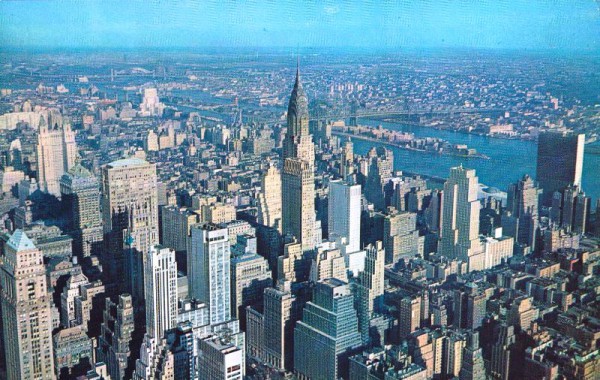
{"points": [[160, 288], [344, 213], [209, 270], [460, 219], [219, 359]]}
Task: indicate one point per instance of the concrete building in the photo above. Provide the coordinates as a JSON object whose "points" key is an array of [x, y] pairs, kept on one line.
{"points": [[344, 214], [269, 199], [160, 289], [114, 342], [400, 236], [26, 314], [298, 178], [220, 359], [81, 195], [460, 219], [130, 219], [209, 270], [328, 333], [56, 153]]}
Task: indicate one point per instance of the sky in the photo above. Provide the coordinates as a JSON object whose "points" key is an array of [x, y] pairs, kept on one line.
{"points": [[367, 24]]}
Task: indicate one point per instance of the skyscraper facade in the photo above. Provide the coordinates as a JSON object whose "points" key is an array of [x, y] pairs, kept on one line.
{"points": [[56, 153], [26, 315], [327, 334], [269, 199], [298, 178], [460, 219], [81, 194], [344, 214], [209, 270], [559, 162], [130, 219], [523, 204], [160, 289]]}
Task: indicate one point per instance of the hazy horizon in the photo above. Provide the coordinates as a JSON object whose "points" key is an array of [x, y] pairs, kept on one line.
{"points": [[380, 26]]}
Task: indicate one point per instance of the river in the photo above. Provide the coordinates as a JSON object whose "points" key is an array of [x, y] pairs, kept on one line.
{"points": [[509, 159]]}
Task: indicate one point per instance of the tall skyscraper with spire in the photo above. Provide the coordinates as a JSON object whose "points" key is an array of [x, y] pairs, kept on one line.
{"points": [[298, 179]]}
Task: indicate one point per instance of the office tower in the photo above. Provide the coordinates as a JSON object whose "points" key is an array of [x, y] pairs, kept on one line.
{"points": [[81, 195], [156, 361], [175, 226], [369, 288], [344, 214], [175, 229], [151, 105], [571, 209], [501, 352], [559, 162], [472, 367], [497, 248], [410, 315], [327, 334], [115, 341], [218, 213], [70, 292], [220, 359], [346, 161], [250, 275], [469, 307], [26, 314], [523, 203], [400, 235], [269, 199], [328, 263], [130, 219], [160, 289], [460, 219], [433, 212], [151, 142], [209, 271], [73, 352], [56, 154], [182, 344], [294, 266], [522, 312], [298, 178], [380, 165]]}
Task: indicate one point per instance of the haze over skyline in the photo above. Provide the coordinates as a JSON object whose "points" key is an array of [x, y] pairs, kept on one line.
{"points": [[520, 24]]}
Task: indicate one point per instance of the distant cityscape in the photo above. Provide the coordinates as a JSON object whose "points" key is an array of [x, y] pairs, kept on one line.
{"points": [[264, 216]]}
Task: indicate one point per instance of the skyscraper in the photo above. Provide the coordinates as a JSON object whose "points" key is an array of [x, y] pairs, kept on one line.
{"points": [[400, 235], [114, 344], [523, 203], [209, 270], [298, 178], [269, 199], [130, 218], [327, 334], [160, 288], [81, 194], [559, 162], [56, 153], [344, 214], [472, 360], [26, 316], [460, 219]]}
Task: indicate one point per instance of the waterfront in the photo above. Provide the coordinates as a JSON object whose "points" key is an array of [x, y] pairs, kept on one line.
{"points": [[509, 159]]}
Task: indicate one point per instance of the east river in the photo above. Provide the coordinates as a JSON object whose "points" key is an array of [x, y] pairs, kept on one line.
{"points": [[509, 159]]}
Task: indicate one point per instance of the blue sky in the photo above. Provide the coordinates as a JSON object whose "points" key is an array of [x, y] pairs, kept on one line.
{"points": [[504, 24]]}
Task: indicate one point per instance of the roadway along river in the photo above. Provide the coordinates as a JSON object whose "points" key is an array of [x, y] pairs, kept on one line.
{"points": [[509, 159]]}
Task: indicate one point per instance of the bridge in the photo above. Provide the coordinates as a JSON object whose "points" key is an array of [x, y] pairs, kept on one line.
{"points": [[404, 112]]}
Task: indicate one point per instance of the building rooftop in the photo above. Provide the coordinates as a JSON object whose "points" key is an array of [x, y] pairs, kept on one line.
{"points": [[19, 241], [125, 162]]}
